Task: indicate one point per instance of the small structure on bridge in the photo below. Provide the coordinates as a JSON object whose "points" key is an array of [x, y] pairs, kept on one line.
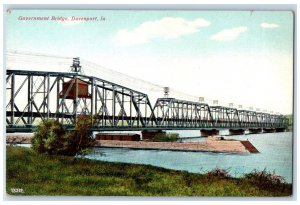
{"points": [[75, 85], [166, 92], [76, 67]]}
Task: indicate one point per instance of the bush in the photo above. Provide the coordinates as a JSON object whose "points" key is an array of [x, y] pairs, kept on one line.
{"points": [[217, 172], [169, 137], [264, 179], [48, 137], [52, 138], [83, 134]]}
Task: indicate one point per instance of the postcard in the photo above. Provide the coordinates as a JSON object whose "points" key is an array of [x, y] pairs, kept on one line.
{"points": [[156, 103]]}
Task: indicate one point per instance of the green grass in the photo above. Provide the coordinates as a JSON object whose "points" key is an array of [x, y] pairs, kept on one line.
{"points": [[40, 174]]}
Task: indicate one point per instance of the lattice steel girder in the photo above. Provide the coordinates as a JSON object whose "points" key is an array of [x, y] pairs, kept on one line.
{"points": [[114, 104], [225, 116], [249, 118], [33, 96], [171, 111], [244, 118]]}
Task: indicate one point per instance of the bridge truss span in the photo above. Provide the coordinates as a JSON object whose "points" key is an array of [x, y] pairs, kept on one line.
{"points": [[33, 96], [171, 112]]}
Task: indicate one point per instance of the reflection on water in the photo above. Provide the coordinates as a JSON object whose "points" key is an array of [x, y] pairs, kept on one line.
{"points": [[275, 155], [98, 152]]}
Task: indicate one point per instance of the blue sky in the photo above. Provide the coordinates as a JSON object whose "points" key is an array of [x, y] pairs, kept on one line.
{"points": [[99, 35], [242, 57]]}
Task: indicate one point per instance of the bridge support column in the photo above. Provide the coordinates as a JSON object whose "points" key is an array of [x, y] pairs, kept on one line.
{"points": [[255, 131], [281, 129], [269, 130], [206, 133], [151, 134], [236, 131]]}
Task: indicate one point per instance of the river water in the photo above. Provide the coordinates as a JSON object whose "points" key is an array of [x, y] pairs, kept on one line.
{"points": [[275, 155]]}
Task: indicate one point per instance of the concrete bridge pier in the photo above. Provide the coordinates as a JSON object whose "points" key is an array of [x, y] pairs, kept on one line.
{"points": [[236, 131], [150, 134], [269, 130], [280, 129], [255, 131], [206, 133]]}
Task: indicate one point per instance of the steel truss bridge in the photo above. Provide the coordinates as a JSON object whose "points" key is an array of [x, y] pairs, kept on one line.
{"points": [[33, 96]]}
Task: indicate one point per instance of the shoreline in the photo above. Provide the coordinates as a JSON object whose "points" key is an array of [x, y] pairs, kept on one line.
{"points": [[218, 146], [210, 145], [64, 176], [174, 150]]}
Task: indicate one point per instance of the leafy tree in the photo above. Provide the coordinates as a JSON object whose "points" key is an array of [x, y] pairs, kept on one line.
{"points": [[48, 137], [82, 136], [52, 138]]}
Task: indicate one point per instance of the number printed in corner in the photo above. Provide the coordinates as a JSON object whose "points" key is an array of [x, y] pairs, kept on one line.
{"points": [[17, 190]]}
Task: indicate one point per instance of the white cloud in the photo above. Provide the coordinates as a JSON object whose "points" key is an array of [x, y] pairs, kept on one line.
{"points": [[167, 27], [229, 34], [269, 25]]}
